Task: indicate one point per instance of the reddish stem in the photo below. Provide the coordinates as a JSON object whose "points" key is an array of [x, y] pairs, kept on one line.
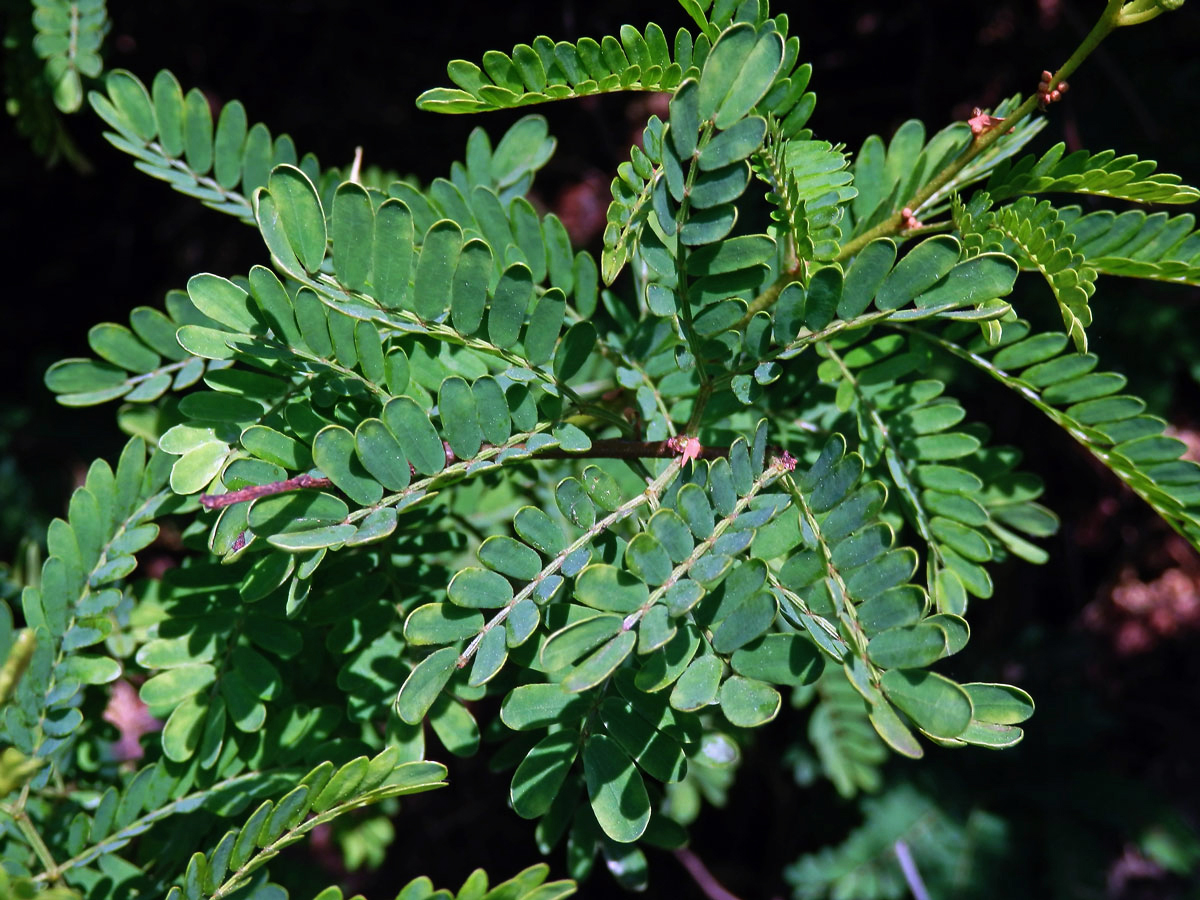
{"points": [[600, 449], [254, 491], [705, 880]]}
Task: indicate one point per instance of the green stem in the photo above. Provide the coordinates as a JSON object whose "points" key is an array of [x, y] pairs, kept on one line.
{"points": [[837, 586], [1109, 20], [19, 656], [767, 298], [1134, 482], [30, 833]]}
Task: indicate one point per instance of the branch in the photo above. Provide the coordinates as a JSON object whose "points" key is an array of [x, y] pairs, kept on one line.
{"points": [[600, 449], [894, 224], [254, 491], [705, 880], [912, 875]]}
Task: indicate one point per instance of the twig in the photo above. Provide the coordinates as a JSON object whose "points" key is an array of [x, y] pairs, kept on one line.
{"points": [[600, 449], [909, 867], [705, 880], [254, 491]]}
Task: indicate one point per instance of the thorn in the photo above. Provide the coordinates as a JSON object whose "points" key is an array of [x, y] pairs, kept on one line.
{"points": [[356, 167]]}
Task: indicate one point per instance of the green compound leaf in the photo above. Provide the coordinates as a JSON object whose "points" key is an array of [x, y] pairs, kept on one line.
{"points": [[1105, 174]]}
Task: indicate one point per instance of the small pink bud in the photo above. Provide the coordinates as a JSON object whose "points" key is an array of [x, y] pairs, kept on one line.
{"points": [[910, 220], [688, 447]]}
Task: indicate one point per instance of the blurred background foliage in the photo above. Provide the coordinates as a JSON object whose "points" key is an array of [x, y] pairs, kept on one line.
{"points": [[1103, 797]]}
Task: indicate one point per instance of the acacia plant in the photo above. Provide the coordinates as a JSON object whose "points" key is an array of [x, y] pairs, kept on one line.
{"points": [[438, 472]]}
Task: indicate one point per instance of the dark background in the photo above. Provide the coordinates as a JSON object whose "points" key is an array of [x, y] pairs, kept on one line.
{"points": [[1105, 637]]}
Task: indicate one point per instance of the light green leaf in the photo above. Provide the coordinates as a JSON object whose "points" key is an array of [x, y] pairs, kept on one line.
{"points": [[441, 623], [909, 647], [780, 659], [353, 235], [737, 73], [195, 469], [381, 454], [697, 686], [334, 452], [919, 270], [416, 435], [301, 217], [601, 663], [477, 588], [658, 754]]}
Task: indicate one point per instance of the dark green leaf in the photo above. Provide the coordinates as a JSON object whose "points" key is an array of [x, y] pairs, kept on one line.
{"points": [[934, 702], [615, 789]]}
